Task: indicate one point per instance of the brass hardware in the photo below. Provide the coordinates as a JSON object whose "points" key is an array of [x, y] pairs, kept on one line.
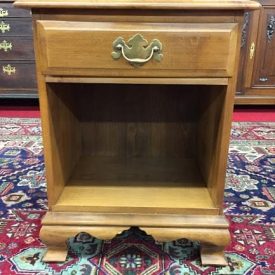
{"points": [[3, 13], [9, 70], [5, 45], [252, 50], [137, 51], [4, 27], [263, 79]]}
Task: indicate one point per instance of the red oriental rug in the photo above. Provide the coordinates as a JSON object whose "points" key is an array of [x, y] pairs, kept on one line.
{"points": [[249, 206], [239, 115]]}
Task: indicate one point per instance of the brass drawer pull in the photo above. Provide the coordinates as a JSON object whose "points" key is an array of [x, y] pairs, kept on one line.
{"points": [[137, 50], [5, 45], [9, 70], [3, 13], [4, 27], [252, 50]]}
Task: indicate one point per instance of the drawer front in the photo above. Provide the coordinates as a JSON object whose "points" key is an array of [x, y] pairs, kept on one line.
{"points": [[17, 75], [15, 27], [16, 48], [153, 49], [8, 10]]}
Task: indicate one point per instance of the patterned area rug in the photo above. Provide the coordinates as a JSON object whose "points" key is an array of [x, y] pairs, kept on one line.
{"points": [[249, 206]]}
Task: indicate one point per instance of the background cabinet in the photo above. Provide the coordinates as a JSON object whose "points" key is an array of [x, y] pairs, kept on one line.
{"points": [[256, 80], [256, 83], [17, 67]]}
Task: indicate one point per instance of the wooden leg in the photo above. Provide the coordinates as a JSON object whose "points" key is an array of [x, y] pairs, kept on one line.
{"points": [[55, 254], [57, 249], [213, 240], [55, 238], [211, 231], [212, 255]]}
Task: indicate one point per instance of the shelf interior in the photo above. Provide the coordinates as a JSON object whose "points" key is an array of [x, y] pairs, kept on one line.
{"points": [[134, 149], [156, 185]]}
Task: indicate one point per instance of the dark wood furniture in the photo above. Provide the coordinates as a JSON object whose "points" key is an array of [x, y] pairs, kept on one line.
{"points": [[136, 101], [17, 68], [256, 84]]}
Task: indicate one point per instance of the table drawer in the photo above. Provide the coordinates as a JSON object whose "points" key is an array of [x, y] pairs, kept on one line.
{"points": [[15, 27], [17, 75], [137, 49], [16, 48], [8, 10]]}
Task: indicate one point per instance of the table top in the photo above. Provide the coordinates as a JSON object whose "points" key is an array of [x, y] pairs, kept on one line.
{"points": [[142, 4]]}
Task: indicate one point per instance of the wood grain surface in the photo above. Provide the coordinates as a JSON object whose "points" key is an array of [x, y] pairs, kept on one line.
{"points": [[121, 150], [145, 4], [188, 49]]}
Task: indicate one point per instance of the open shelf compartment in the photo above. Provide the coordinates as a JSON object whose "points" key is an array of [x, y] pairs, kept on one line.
{"points": [[134, 149]]}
